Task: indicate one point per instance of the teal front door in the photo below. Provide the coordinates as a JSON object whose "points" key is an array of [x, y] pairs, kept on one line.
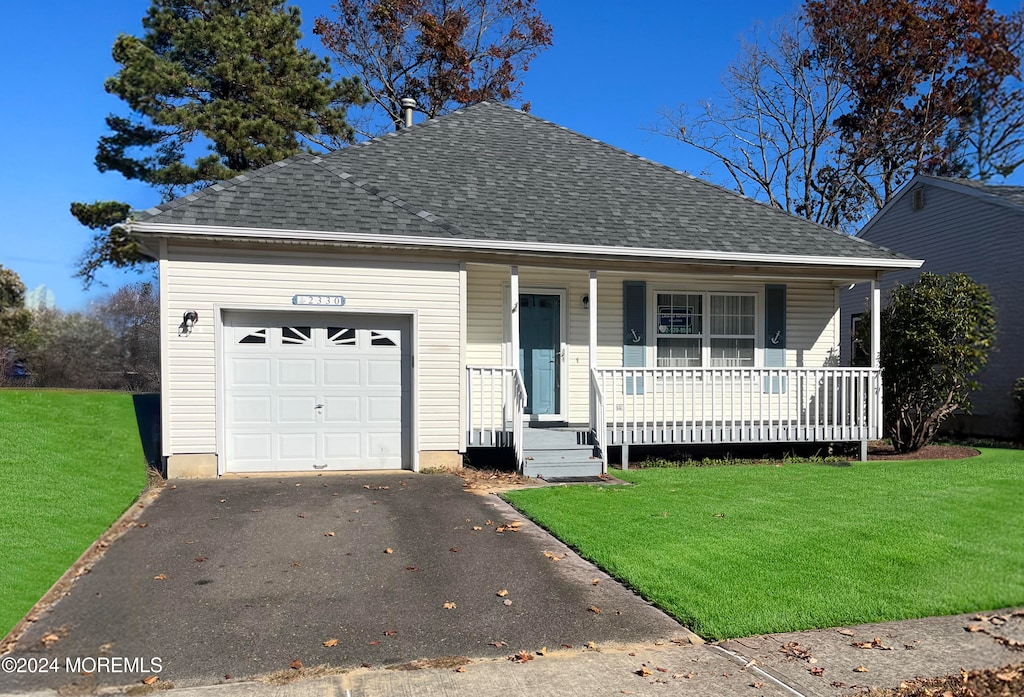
{"points": [[539, 344]]}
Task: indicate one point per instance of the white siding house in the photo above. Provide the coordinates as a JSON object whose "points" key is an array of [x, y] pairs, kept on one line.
{"points": [[473, 278], [957, 225]]}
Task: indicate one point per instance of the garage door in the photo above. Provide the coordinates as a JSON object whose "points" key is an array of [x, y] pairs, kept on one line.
{"points": [[308, 391]]}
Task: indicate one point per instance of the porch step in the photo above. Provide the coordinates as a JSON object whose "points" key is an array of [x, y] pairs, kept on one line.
{"points": [[558, 452]]}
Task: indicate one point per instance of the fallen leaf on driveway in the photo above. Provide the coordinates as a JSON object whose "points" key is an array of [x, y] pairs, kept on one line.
{"points": [[643, 672], [543, 651], [595, 609], [860, 669], [160, 577], [329, 534], [846, 632], [506, 602], [497, 644], [591, 645], [331, 643], [816, 671], [389, 551], [595, 582], [502, 593], [477, 527], [521, 657], [366, 486], [390, 632], [150, 680], [50, 638], [460, 669], [201, 559], [295, 665], [449, 606], [412, 568], [454, 549], [552, 557], [141, 525]]}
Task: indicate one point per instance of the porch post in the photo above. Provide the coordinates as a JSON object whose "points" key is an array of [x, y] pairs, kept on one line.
{"points": [[593, 320], [876, 347], [514, 315]]}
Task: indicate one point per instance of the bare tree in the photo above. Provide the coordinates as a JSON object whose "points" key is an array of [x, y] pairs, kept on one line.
{"points": [[443, 53]]}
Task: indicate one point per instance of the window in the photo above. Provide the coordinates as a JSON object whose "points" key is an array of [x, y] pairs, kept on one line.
{"points": [[711, 329]]}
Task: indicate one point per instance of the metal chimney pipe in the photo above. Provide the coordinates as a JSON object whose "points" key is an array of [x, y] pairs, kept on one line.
{"points": [[408, 104]]}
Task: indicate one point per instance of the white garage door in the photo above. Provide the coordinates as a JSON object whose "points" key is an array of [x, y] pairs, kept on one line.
{"points": [[308, 391]]}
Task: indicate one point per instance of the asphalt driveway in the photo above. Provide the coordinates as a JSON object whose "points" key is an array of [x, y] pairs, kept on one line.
{"points": [[240, 577]]}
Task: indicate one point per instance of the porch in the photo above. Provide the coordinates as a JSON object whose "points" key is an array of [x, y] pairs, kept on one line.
{"points": [[686, 407], [585, 374]]}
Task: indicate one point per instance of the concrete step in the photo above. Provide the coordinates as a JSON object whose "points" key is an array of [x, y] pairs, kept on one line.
{"points": [[554, 439], [568, 468]]}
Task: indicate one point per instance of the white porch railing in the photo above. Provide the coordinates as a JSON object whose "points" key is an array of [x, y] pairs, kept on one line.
{"points": [[496, 400], [734, 405]]}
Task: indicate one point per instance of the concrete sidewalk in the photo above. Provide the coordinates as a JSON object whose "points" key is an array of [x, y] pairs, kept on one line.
{"points": [[820, 663]]}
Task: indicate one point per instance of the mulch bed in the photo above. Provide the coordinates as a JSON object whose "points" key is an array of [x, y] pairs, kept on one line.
{"points": [[883, 451]]}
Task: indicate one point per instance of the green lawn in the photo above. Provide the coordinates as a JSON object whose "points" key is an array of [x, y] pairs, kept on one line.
{"points": [[70, 464], [735, 551]]}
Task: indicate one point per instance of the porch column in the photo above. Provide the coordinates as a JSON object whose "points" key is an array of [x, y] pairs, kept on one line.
{"points": [[876, 348], [593, 320], [514, 314]]}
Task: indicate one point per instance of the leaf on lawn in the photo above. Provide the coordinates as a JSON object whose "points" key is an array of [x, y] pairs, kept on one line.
{"points": [[552, 557], [860, 669], [595, 609], [643, 672], [331, 643], [389, 551], [160, 577], [150, 680], [502, 593], [295, 665], [449, 606], [329, 534]]}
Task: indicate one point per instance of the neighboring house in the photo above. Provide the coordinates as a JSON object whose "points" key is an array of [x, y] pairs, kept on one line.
{"points": [[958, 225], [397, 302]]}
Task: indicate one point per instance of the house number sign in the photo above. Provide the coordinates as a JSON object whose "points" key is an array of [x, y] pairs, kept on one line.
{"points": [[335, 300]]}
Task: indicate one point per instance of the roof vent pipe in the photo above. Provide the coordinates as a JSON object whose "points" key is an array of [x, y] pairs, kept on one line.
{"points": [[408, 104]]}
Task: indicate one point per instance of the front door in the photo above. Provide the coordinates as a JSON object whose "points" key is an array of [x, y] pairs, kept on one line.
{"points": [[539, 345]]}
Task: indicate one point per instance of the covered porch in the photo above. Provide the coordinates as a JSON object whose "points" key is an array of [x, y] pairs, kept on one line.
{"points": [[655, 362]]}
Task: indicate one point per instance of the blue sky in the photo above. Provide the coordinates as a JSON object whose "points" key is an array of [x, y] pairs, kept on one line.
{"points": [[613, 66]]}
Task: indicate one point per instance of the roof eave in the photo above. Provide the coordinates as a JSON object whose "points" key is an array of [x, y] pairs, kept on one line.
{"points": [[507, 246]]}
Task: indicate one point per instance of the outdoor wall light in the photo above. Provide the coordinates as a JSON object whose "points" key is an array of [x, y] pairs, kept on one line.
{"points": [[188, 320], [586, 301]]}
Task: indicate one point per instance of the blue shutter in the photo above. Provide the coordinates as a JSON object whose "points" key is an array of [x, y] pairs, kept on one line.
{"points": [[775, 335], [634, 329]]}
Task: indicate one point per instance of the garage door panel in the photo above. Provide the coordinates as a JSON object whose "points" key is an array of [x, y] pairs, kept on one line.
{"points": [[297, 446], [296, 372], [383, 372], [253, 372], [384, 410], [299, 409], [342, 410], [340, 372], [252, 409], [252, 446], [304, 392]]}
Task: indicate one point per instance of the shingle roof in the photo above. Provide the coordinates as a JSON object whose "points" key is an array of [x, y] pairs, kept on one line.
{"points": [[1013, 194], [490, 172]]}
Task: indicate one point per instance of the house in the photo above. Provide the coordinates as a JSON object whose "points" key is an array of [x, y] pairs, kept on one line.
{"points": [[463, 282], [958, 225]]}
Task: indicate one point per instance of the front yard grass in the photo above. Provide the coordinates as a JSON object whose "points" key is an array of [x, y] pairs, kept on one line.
{"points": [[70, 463], [743, 550]]}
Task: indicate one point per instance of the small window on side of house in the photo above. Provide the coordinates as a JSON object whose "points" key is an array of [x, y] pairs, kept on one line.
{"points": [[917, 198]]}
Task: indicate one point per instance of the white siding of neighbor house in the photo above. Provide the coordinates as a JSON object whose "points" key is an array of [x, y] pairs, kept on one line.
{"points": [[959, 232], [811, 317], [208, 279]]}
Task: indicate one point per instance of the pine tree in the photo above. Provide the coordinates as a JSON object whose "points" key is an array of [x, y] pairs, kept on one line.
{"points": [[224, 74]]}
